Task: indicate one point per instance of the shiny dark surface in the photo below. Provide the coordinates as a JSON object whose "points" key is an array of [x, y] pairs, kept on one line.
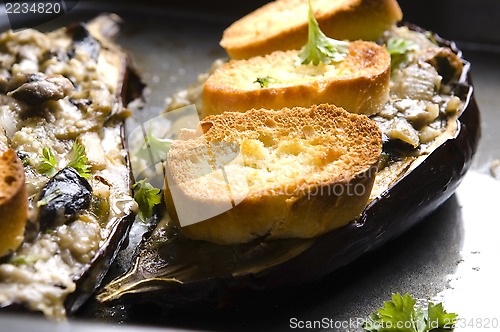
{"points": [[450, 256]]}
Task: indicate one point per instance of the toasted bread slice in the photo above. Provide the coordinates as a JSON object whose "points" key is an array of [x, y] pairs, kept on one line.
{"points": [[282, 24], [290, 173], [13, 201], [359, 83]]}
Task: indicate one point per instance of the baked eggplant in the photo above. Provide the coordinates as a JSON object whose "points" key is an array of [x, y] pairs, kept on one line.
{"points": [[174, 271], [64, 100]]}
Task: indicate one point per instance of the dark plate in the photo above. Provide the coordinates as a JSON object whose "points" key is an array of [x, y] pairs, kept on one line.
{"points": [[448, 256]]}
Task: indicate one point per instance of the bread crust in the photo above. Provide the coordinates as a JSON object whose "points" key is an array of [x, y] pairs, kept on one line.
{"points": [[359, 83], [304, 205], [13, 201], [282, 24]]}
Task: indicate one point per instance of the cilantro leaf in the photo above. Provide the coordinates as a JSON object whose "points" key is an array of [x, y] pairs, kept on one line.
{"points": [[147, 197], [159, 146], [399, 311], [264, 81], [401, 315], [372, 324], [154, 149], [439, 318], [320, 48], [399, 48], [47, 163], [79, 161]]}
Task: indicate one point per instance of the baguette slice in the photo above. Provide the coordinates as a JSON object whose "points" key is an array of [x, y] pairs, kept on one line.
{"points": [[13, 201], [359, 83], [290, 173], [282, 24]]}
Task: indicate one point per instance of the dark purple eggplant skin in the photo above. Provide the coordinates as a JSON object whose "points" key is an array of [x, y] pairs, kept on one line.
{"points": [[91, 278], [394, 212]]}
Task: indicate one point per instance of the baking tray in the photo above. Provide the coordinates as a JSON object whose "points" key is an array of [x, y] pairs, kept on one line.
{"points": [[451, 257]]}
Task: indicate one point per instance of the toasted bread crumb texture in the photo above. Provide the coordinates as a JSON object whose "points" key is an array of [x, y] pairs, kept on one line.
{"points": [[359, 84], [298, 147], [13, 201], [282, 24], [285, 171]]}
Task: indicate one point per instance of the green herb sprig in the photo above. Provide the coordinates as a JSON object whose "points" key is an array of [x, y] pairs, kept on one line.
{"points": [[319, 47], [79, 161], [264, 81], [401, 315], [399, 49], [147, 197], [24, 260], [48, 164], [154, 149]]}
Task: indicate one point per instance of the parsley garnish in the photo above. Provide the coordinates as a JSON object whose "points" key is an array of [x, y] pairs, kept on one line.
{"points": [[264, 81], [319, 47], [154, 148], [79, 161], [159, 146], [398, 48], [47, 163], [147, 197], [401, 315], [49, 166]]}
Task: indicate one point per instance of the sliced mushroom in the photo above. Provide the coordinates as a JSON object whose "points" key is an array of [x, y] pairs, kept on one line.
{"points": [[447, 63], [39, 88]]}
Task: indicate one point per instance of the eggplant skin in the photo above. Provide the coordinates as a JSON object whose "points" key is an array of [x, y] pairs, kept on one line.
{"points": [[397, 210], [391, 214], [155, 279], [105, 127], [91, 278], [66, 193]]}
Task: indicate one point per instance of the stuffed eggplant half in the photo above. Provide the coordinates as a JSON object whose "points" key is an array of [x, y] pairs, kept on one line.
{"points": [[430, 128], [66, 197]]}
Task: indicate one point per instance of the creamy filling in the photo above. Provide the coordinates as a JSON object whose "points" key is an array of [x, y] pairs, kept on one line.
{"points": [[42, 272]]}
